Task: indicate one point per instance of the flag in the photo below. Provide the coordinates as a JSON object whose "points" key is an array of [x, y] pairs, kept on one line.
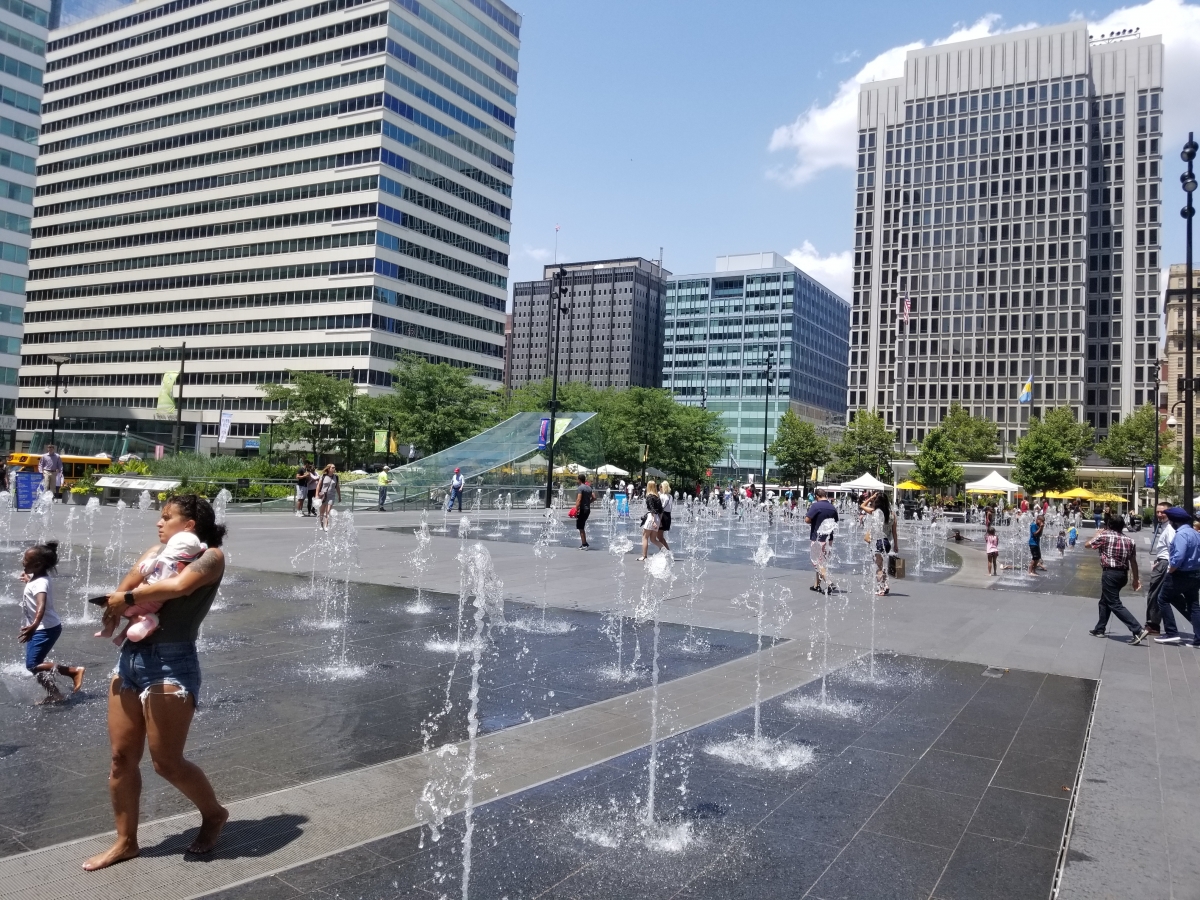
{"points": [[907, 308], [381, 441], [166, 390], [544, 434], [1026, 392], [560, 427], [391, 443]]}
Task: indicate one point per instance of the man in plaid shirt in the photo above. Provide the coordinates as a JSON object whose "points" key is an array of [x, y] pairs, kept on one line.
{"points": [[1117, 559]]}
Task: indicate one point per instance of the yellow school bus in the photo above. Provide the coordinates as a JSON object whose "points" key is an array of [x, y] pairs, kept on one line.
{"points": [[74, 467]]}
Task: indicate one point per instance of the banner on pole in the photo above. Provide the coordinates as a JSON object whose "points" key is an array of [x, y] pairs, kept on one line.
{"points": [[159, 449], [226, 420], [166, 393], [381, 441], [543, 434], [560, 426]]}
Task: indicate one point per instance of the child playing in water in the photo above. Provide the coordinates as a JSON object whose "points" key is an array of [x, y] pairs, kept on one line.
{"points": [[141, 620], [40, 625], [1061, 544], [1072, 536], [992, 544]]}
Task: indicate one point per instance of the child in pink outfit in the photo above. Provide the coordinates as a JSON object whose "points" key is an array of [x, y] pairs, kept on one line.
{"points": [[991, 543], [142, 619]]}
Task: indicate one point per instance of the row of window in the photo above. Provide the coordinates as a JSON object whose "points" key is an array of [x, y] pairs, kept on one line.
{"points": [[433, 73], [439, 181], [444, 235], [441, 260], [262, 326], [427, 43], [992, 99], [358, 293], [437, 154], [22, 39], [437, 206], [185, 116], [426, 15], [447, 133], [390, 269], [216, 254], [18, 69], [444, 106], [279, 70], [196, 45]]}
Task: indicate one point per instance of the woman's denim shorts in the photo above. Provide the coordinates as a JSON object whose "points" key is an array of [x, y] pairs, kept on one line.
{"points": [[174, 663]]}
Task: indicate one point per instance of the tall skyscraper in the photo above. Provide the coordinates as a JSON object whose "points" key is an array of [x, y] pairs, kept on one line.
{"points": [[612, 329], [23, 31], [1008, 196], [723, 325], [315, 187]]}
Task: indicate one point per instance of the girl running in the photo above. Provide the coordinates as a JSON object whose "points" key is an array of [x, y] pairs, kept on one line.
{"points": [[40, 624]]}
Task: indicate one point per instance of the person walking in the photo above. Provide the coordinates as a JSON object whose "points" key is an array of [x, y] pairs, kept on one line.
{"points": [[40, 625], [384, 480], [311, 493], [819, 543], [456, 490], [302, 482], [1036, 527], [1181, 587], [329, 485], [154, 691], [583, 509], [651, 520], [668, 504], [881, 529], [50, 466], [1160, 556], [1118, 559]]}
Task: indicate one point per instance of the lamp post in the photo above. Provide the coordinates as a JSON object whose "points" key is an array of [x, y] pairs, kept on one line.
{"points": [[557, 311], [350, 424], [59, 361], [1188, 180], [270, 437], [1157, 474], [766, 420]]}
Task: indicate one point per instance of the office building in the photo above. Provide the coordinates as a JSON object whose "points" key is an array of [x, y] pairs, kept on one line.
{"points": [[723, 325], [1175, 348], [309, 186], [1009, 194], [612, 327], [68, 12], [23, 30]]}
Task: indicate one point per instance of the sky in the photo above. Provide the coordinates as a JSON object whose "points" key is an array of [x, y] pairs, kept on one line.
{"points": [[710, 128]]}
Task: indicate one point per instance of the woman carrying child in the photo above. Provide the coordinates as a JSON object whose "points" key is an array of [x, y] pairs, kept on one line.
{"points": [[40, 625], [153, 696]]}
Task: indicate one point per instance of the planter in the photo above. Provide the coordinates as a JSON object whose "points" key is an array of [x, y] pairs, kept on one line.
{"points": [[80, 499]]}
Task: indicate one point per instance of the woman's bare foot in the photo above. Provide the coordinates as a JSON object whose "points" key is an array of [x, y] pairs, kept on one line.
{"points": [[118, 852], [75, 673], [210, 831]]}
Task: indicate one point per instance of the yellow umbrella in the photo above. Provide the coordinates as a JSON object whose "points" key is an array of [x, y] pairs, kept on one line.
{"points": [[910, 486], [1078, 493], [1054, 495], [1110, 498]]}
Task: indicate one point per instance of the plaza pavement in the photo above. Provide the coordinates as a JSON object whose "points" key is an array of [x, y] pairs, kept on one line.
{"points": [[1136, 830]]}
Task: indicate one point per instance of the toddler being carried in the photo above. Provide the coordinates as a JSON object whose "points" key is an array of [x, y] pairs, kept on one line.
{"points": [[141, 620]]}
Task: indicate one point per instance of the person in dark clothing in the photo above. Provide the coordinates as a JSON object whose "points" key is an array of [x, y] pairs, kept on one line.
{"points": [[819, 542], [583, 508], [1117, 559]]}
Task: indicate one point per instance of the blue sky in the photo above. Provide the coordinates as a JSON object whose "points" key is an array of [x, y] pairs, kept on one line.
{"points": [[648, 124]]}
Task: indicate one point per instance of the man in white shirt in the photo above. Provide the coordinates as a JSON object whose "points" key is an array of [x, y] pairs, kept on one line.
{"points": [[51, 468], [1160, 554]]}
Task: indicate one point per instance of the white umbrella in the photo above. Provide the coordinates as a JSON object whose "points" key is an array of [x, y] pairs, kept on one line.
{"points": [[994, 483], [611, 470], [865, 482]]}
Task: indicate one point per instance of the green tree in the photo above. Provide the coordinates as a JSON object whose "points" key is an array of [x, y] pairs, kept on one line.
{"points": [[1132, 441], [1076, 437], [436, 406], [798, 448], [866, 447], [573, 396], [693, 439], [935, 464], [970, 439], [312, 401], [1050, 451]]}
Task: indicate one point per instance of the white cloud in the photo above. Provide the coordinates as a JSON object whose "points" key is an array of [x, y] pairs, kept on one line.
{"points": [[538, 254], [841, 58], [834, 271], [823, 137]]}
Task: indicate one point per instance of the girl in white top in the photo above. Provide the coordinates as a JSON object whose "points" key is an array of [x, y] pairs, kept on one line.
{"points": [[664, 521], [40, 624]]}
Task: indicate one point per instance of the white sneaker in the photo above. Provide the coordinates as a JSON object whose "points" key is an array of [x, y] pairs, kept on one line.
{"points": [[1169, 639], [299, 515]]}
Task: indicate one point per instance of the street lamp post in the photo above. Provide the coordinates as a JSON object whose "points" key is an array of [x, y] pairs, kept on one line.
{"points": [[766, 420], [1157, 426], [59, 361], [1188, 180], [270, 437], [556, 300]]}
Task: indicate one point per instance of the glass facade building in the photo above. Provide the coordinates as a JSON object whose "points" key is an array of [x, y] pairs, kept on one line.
{"points": [[721, 327], [1009, 194], [279, 185]]}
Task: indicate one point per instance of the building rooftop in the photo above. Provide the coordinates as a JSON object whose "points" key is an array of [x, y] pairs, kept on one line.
{"points": [[741, 262]]}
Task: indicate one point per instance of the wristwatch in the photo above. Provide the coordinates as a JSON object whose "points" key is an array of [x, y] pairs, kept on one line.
{"points": [[129, 598]]}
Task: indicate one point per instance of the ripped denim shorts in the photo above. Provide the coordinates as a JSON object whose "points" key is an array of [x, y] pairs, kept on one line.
{"points": [[174, 663]]}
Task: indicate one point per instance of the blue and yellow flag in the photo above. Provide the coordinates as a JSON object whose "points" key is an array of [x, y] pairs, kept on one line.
{"points": [[1026, 392]]}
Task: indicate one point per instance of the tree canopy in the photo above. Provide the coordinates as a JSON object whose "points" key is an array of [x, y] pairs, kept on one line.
{"points": [[798, 448], [969, 439], [935, 463], [311, 401], [436, 405], [1050, 451], [866, 447], [1132, 441]]}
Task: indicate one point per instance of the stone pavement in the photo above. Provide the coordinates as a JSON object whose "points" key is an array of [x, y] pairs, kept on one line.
{"points": [[1136, 826]]}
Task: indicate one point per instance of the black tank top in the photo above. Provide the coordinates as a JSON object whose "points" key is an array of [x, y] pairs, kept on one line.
{"points": [[179, 619]]}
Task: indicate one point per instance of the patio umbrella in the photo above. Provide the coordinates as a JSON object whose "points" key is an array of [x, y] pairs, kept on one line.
{"points": [[995, 483], [910, 485], [1078, 493], [866, 482], [1110, 498]]}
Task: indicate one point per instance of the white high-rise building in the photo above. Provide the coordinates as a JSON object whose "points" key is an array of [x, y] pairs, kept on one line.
{"points": [[1009, 192], [23, 30], [279, 185]]}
